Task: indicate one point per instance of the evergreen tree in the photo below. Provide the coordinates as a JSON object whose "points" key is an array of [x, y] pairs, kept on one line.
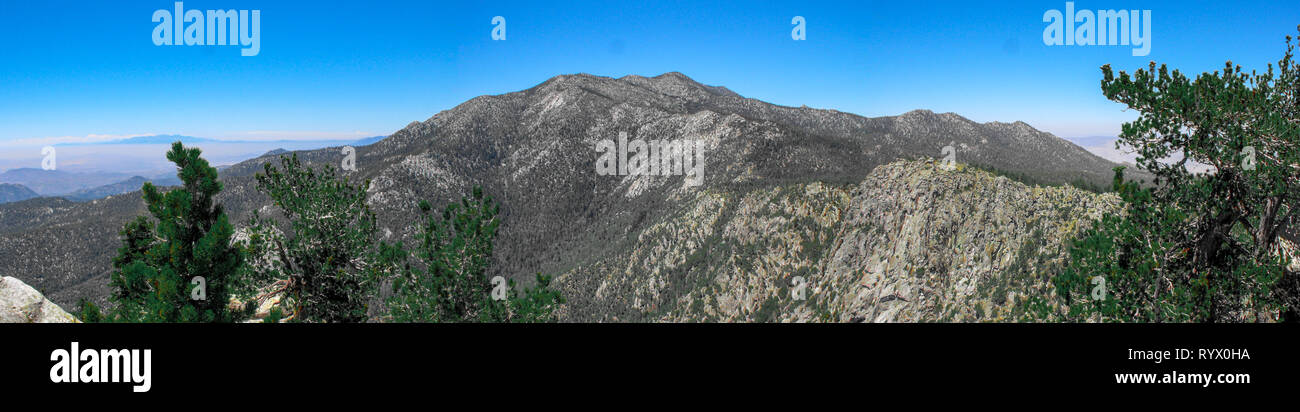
{"points": [[175, 267], [1197, 246], [322, 264], [455, 252]]}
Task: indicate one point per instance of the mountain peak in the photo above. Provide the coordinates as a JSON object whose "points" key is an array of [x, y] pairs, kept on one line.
{"points": [[930, 115], [678, 81], [674, 84]]}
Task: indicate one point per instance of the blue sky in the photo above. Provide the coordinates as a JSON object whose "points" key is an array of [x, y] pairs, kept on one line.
{"points": [[88, 69]]}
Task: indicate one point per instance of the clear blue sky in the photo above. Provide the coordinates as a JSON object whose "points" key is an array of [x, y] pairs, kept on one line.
{"points": [[370, 67]]}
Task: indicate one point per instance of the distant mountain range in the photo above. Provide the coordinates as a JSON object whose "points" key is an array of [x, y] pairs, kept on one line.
{"points": [[190, 140], [847, 202], [10, 192], [368, 141], [76, 187], [58, 182], [125, 186], [96, 162], [155, 139]]}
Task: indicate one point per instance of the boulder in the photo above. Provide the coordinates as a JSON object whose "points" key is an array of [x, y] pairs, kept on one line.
{"points": [[20, 303]]}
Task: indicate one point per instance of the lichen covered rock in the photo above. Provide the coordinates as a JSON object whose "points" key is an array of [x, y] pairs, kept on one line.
{"points": [[20, 303]]}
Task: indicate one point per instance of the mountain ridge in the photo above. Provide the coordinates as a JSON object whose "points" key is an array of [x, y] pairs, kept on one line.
{"points": [[534, 150], [13, 192]]}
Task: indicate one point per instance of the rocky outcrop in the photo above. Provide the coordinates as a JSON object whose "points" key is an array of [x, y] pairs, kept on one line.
{"points": [[20, 303], [913, 242]]}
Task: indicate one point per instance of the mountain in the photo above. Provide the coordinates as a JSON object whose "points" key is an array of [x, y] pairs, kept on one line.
{"points": [[58, 182], [911, 242], [154, 139], [125, 186], [14, 192], [368, 141], [168, 139], [845, 201], [169, 179]]}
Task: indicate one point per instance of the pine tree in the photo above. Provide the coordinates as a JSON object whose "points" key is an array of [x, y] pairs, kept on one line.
{"points": [[1198, 246], [322, 263], [175, 267], [455, 253]]}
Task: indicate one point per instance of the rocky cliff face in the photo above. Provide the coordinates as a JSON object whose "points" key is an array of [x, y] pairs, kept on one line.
{"points": [[911, 242], [20, 303]]}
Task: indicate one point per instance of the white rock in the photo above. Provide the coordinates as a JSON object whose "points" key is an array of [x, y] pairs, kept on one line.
{"points": [[20, 303]]}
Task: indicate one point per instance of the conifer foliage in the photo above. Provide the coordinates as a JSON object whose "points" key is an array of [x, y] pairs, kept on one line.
{"points": [[455, 250], [318, 254], [1198, 246], [321, 264], [177, 264]]}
